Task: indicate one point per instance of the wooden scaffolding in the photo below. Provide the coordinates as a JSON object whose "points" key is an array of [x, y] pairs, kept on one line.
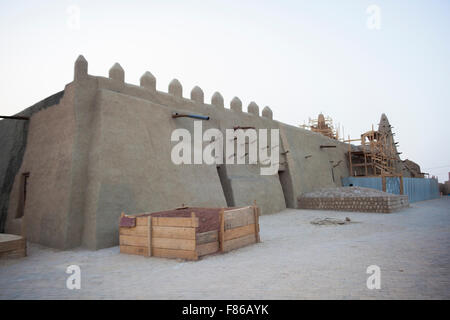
{"points": [[323, 125], [375, 156]]}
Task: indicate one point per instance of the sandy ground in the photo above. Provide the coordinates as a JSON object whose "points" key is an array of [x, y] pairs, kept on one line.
{"points": [[295, 260]]}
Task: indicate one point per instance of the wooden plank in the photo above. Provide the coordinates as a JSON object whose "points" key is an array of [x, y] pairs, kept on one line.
{"points": [[12, 245], [136, 231], [175, 222], [5, 237], [207, 248], [141, 221], [170, 253], [401, 184], [177, 244], [239, 232], [173, 232], [141, 251], [133, 241], [149, 236], [239, 219], [238, 242], [229, 214], [207, 237], [222, 229]]}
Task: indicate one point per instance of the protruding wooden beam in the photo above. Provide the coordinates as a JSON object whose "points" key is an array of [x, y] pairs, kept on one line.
{"points": [[15, 117]]}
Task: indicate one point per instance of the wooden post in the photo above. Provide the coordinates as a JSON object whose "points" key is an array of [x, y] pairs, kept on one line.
{"points": [[195, 225], [350, 156], [221, 230], [383, 183], [149, 235], [256, 213], [401, 184], [365, 164], [120, 219], [193, 218]]}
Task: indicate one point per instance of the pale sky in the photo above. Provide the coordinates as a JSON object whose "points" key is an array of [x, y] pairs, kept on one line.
{"points": [[298, 57]]}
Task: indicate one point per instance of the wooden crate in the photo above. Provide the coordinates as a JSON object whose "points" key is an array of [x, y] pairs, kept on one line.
{"points": [[178, 237], [12, 246], [238, 228]]}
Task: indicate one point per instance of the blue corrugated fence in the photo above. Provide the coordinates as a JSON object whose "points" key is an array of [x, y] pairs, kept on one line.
{"points": [[417, 189]]}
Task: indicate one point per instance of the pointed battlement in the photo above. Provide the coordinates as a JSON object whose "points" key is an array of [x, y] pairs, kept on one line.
{"points": [[236, 105], [267, 113], [148, 81], [217, 100], [175, 88], [253, 108], [116, 73], [197, 95], [81, 68]]}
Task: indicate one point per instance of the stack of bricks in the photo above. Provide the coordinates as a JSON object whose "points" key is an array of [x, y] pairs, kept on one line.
{"points": [[353, 199]]}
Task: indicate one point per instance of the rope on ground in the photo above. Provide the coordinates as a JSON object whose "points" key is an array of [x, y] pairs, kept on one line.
{"points": [[330, 221]]}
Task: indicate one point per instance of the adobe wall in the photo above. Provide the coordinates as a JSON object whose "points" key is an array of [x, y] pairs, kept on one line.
{"points": [[107, 150], [48, 160], [13, 140], [310, 166]]}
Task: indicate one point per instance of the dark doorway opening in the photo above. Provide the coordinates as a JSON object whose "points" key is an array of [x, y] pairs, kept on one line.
{"points": [[286, 186], [226, 185]]}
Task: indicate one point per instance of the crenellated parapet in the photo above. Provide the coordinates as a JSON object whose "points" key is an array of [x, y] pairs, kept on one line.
{"points": [[147, 83]]}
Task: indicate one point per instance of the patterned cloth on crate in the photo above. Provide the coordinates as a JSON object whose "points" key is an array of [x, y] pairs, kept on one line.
{"points": [[127, 222]]}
